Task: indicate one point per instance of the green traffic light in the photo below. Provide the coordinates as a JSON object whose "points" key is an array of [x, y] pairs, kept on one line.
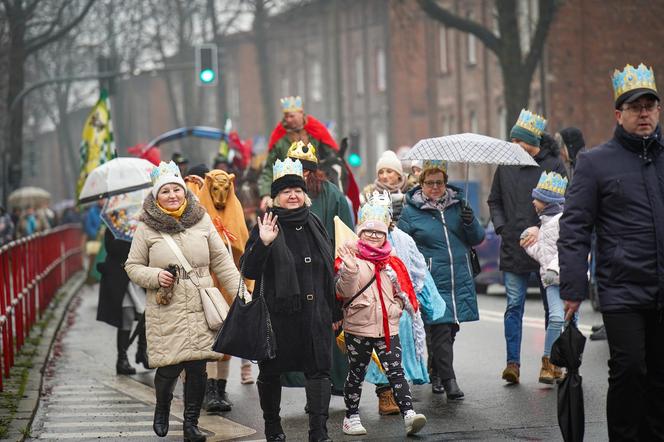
{"points": [[354, 160], [207, 75]]}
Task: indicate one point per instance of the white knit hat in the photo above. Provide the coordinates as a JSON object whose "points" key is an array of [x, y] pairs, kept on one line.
{"points": [[389, 160], [165, 173]]}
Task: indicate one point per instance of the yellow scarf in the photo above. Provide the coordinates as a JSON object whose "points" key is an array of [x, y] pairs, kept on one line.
{"points": [[174, 213]]}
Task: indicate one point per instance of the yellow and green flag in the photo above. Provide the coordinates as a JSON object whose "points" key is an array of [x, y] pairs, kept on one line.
{"points": [[97, 145]]}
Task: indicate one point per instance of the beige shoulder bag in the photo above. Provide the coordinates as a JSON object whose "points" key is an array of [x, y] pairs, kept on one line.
{"points": [[215, 307]]}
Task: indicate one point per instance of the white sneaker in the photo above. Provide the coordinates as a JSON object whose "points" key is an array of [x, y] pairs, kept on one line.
{"points": [[353, 426], [413, 422]]}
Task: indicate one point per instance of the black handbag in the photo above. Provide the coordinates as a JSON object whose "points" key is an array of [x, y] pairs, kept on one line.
{"points": [[474, 262], [247, 331]]}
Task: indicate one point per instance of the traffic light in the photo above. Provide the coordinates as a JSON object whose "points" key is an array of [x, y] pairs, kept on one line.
{"points": [[207, 66], [354, 157]]}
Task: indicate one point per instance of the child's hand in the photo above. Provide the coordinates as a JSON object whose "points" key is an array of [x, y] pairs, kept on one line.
{"points": [[348, 258], [551, 278], [529, 237]]}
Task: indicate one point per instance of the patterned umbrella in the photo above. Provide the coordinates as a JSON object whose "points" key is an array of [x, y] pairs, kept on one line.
{"points": [[121, 212], [470, 148]]}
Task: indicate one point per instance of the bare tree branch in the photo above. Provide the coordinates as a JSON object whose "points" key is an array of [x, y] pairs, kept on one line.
{"points": [[547, 10], [452, 20], [37, 43]]}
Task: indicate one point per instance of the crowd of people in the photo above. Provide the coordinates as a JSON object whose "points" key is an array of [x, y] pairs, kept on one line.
{"points": [[380, 293]]}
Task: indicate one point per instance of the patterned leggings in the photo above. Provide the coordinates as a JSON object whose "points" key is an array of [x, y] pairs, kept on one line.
{"points": [[359, 355]]}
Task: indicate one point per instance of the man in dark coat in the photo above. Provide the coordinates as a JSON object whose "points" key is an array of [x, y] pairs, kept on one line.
{"points": [[618, 190], [512, 211]]}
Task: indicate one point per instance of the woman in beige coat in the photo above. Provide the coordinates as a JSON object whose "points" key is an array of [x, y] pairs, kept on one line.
{"points": [[178, 336]]}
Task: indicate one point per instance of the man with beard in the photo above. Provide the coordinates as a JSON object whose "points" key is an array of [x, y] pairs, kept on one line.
{"points": [[618, 191]]}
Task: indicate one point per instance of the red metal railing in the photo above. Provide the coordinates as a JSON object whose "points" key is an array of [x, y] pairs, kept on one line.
{"points": [[31, 271]]}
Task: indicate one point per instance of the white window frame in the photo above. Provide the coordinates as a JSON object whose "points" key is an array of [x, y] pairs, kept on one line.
{"points": [[381, 70], [442, 50], [471, 44], [316, 81], [359, 75]]}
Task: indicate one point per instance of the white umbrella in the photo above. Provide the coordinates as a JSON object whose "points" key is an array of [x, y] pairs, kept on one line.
{"points": [[28, 196], [470, 148], [119, 175]]}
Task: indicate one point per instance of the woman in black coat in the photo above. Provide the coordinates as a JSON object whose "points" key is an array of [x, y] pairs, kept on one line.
{"points": [[289, 255], [113, 308]]}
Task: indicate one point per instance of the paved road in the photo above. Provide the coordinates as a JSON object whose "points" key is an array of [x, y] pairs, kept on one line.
{"points": [[83, 399]]}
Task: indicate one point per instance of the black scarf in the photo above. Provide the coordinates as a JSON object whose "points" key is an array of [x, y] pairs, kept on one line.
{"points": [[287, 287]]}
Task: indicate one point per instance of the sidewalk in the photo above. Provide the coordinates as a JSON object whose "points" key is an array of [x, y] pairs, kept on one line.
{"points": [[82, 398]]}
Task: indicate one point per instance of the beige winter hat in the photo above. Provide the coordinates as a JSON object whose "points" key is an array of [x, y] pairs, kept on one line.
{"points": [[389, 160]]}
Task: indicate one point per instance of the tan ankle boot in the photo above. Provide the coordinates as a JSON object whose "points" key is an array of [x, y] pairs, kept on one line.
{"points": [[386, 403], [546, 375]]}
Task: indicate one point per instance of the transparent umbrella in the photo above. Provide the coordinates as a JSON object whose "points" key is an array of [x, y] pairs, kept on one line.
{"points": [[119, 175], [121, 213]]}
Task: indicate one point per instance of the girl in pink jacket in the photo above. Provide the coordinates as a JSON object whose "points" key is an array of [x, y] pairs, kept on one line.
{"points": [[375, 288]]}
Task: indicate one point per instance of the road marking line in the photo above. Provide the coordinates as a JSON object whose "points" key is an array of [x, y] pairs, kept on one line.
{"points": [[94, 436], [100, 414], [147, 424], [102, 406], [529, 321]]}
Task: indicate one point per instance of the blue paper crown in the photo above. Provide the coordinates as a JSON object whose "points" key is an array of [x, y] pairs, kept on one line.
{"points": [[377, 208], [435, 164], [286, 167], [164, 168], [533, 123], [552, 182], [630, 78]]}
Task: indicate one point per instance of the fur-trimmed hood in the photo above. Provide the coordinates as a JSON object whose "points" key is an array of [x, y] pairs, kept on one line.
{"points": [[155, 218]]}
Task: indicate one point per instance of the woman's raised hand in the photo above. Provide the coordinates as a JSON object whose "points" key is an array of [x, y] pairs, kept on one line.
{"points": [[348, 257], [268, 228]]}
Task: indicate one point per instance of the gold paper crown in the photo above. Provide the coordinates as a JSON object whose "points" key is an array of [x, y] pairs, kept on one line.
{"points": [[304, 152], [630, 78], [378, 208], [286, 167], [291, 104], [435, 164], [553, 182], [532, 122]]}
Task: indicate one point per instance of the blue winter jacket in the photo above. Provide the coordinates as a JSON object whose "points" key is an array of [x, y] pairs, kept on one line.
{"points": [[445, 240]]}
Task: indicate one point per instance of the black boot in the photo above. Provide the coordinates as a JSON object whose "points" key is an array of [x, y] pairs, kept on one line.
{"points": [[163, 387], [142, 350], [222, 396], [453, 390], [122, 366], [318, 401], [211, 399], [194, 391], [437, 386], [270, 400]]}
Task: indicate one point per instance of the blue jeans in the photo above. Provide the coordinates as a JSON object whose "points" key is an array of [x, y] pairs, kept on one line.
{"points": [[516, 285], [556, 317]]}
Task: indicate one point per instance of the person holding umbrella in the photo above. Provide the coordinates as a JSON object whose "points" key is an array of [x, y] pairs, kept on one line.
{"points": [[444, 228], [175, 227], [512, 212], [618, 190]]}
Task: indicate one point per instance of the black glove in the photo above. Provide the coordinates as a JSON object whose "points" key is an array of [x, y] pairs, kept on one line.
{"points": [[467, 214]]}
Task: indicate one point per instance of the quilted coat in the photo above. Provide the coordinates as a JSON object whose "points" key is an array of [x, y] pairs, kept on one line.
{"points": [[178, 331]]}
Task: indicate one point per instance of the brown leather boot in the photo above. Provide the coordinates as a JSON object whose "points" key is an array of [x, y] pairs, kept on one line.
{"points": [[546, 375], [386, 403], [511, 373]]}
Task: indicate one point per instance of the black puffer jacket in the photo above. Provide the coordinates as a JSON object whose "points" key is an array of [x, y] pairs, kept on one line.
{"points": [[511, 205], [618, 188]]}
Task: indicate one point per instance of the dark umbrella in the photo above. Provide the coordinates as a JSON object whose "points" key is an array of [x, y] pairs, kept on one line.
{"points": [[567, 352]]}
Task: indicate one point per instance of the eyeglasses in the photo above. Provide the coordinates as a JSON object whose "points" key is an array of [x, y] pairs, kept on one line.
{"points": [[437, 183], [636, 108], [373, 234]]}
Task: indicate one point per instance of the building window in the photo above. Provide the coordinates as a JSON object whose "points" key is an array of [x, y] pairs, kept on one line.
{"points": [[442, 49], [472, 44], [502, 128], [448, 125], [381, 75], [316, 81], [381, 141], [474, 124], [359, 75], [285, 85], [233, 94]]}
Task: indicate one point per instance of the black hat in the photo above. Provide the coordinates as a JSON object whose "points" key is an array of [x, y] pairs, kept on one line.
{"points": [[635, 94], [285, 181], [573, 139], [198, 170], [178, 158]]}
